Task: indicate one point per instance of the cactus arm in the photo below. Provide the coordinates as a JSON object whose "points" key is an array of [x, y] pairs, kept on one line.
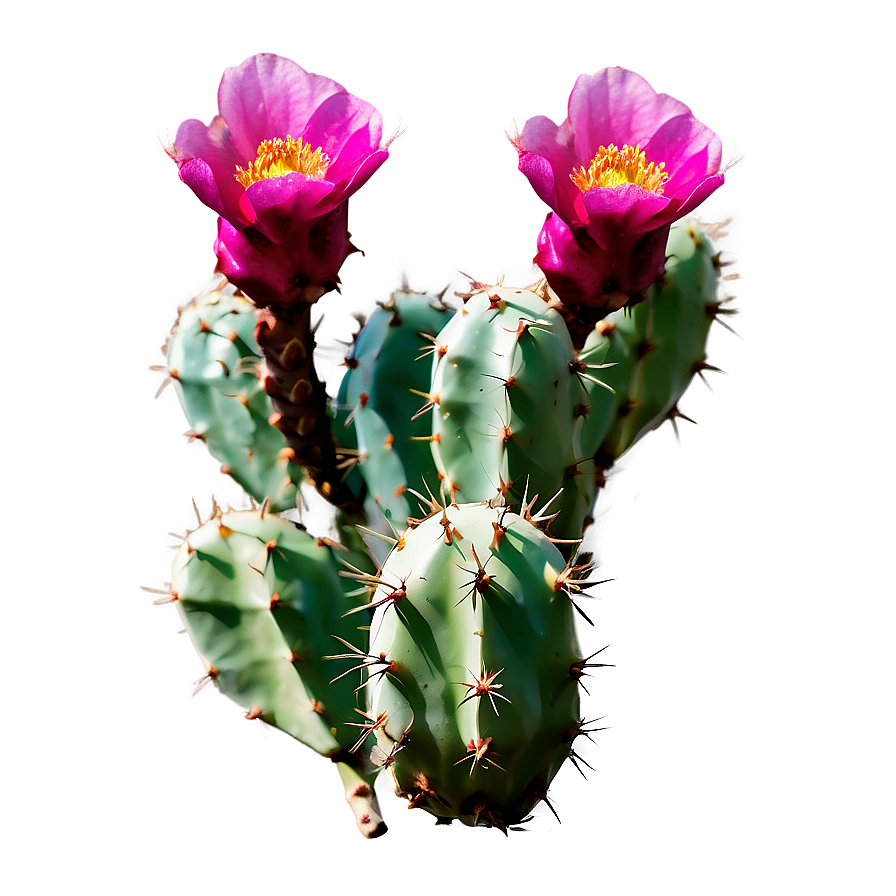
{"points": [[362, 800]]}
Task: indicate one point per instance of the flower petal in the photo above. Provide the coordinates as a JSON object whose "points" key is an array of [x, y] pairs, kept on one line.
{"points": [[690, 150], [346, 128], [701, 192], [280, 203], [547, 159], [359, 177], [199, 177], [212, 144], [269, 96], [617, 106], [626, 208]]}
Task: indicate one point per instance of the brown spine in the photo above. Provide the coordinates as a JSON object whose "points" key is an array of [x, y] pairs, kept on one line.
{"points": [[299, 400]]}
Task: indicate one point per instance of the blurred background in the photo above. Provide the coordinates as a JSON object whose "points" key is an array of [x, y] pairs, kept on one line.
{"points": [[751, 613]]}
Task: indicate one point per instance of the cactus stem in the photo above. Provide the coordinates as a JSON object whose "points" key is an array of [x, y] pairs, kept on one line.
{"points": [[362, 800]]}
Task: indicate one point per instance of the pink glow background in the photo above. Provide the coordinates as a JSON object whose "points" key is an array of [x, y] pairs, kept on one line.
{"points": [[751, 616]]}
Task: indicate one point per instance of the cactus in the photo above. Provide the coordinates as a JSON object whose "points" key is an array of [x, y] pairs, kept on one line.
{"points": [[507, 402], [653, 350], [388, 372], [264, 605], [473, 716], [213, 359]]}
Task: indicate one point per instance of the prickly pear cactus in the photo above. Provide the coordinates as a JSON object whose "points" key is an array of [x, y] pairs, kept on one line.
{"points": [[474, 703], [652, 352], [508, 403], [380, 395], [213, 359], [264, 605]]}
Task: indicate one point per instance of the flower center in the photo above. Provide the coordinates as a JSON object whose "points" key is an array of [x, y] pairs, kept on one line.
{"points": [[613, 167], [278, 157]]}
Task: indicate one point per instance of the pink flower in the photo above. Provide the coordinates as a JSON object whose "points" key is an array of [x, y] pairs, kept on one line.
{"points": [[278, 165], [625, 165]]}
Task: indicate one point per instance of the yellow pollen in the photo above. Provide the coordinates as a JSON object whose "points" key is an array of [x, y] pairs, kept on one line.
{"points": [[283, 156], [613, 167]]}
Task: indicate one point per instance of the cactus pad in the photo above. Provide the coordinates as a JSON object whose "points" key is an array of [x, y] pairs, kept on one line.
{"points": [[477, 708]]}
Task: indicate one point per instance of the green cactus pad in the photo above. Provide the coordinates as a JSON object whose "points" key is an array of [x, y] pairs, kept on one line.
{"points": [[382, 392], [213, 358], [475, 707], [261, 599], [655, 348], [509, 406]]}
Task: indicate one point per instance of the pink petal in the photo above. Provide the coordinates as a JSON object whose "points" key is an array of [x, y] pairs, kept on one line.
{"points": [[269, 96], [200, 178], [618, 106], [214, 146], [547, 159], [701, 192], [346, 128], [627, 208], [690, 150], [359, 177], [279, 202]]}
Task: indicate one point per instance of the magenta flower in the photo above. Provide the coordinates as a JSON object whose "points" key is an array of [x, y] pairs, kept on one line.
{"points": [[625, 165], [278, 165]]}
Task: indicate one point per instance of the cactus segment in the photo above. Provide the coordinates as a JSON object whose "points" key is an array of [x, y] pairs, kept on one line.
{"points": [[262, 601], [213, 358], [508, 405], [382, 392], [477, 705], [655, 348]]}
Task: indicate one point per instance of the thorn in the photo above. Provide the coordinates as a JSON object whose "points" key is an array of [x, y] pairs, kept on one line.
{"points": [[479, 582], [477, 750], [398, 132], [170, 596], [514, 138], [484, 684], [255, 716], [206, 679], [577, 669]]}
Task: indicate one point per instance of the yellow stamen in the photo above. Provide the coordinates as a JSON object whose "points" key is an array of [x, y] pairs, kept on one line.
{"points": [[613, 167], [278, 157]]}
